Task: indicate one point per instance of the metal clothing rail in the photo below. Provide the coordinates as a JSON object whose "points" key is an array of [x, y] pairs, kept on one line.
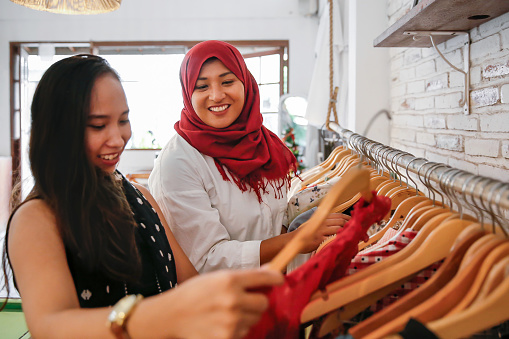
{"points": [[491, 194]]}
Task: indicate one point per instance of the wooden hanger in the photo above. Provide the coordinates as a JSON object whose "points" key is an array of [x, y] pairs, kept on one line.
{"points": [[337, 160], [335, 319], [386, 187], [408, 211], [491, 260], [490, 312], [435, 248], [349, 203], [354, 181], [493, 279], [442, 301], [443, 275], [380, 266]]}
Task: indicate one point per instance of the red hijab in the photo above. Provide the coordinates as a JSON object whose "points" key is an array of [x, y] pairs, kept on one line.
{"points": [[253, 155]]}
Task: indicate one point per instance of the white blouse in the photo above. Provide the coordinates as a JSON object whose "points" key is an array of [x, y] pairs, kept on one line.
{"points": [[216, 224]]}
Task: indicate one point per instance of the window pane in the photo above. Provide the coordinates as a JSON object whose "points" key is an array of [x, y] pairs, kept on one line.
{"points": [[269, 98], [253, 64], [153, 93], [271, 121], [270, 69]]}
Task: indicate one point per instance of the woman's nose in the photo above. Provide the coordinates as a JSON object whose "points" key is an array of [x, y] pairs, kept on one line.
{"points": [[115, 138], [216, 93]]}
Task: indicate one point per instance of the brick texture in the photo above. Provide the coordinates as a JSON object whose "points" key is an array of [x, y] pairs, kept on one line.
{"points": [[487, 148], [450, 142], [426, 95]]}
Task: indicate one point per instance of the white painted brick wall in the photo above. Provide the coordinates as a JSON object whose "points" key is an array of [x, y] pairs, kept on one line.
{"points": [[485, 96], [464, 165], [462, 122], [495, 123], [424, 103], [435, 157], [485, 47], [407, 74], [448, 100], [505, 38], [412, 55], [475, 75], [487, 148], [450, 142], [505, 149], [437, 82], [456, 80], [407, 120], [407, 104], [494, 172], [434, 122], [504, 94], [428, 90], [415, 87], [496, 70], [403, 134], [425, 138], [425, 68]]}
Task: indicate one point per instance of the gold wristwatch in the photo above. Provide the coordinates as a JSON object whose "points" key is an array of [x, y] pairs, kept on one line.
{"points": [[117, 319]]}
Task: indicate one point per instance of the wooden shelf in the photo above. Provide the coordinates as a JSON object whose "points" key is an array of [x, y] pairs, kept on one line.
{"points": [[440, 15]]}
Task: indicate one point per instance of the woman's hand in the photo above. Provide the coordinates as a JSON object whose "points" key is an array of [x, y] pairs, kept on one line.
{"points": [[330, 226], [222, 304]]}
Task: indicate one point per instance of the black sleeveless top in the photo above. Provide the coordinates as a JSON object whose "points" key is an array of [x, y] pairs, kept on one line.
{"points": [[159, 274]]}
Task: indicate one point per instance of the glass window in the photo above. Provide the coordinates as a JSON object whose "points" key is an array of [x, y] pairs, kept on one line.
{"points": [[154, 96]]}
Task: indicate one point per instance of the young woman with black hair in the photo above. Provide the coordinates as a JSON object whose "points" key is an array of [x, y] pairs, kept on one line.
{"points": [[86, 239]]}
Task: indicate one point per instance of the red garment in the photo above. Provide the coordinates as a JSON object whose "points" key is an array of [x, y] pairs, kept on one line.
{"points": [[287, 301], [253, 155]]}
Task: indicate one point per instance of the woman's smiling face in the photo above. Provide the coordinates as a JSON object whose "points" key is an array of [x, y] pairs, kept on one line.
{"points": [[108, 128], [218, 96]]}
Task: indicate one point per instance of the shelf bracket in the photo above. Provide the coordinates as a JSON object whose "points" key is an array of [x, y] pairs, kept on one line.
{"points": [[465, 101]]}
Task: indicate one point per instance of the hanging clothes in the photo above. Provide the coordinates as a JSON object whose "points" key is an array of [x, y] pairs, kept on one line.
{"points": [[282, 319]]}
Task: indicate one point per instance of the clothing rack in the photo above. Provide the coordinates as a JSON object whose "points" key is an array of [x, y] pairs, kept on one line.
{"points": [[485, 194]]}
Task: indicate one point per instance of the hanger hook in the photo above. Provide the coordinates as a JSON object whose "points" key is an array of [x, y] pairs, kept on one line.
{"points": [[392, 164], [395, 166], [448, 188], [421, 179], [427, 177], [478, 212], [489, 202], [504, 189], [408, 175]]}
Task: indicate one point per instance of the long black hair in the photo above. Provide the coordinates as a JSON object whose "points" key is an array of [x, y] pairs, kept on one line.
{"points": [[93, 216]]}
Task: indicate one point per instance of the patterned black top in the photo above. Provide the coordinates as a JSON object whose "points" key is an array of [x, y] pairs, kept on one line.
{"points": [[158, 267]]}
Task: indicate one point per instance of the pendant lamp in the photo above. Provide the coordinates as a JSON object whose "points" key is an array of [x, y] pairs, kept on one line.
{"points": [[71, 6]]}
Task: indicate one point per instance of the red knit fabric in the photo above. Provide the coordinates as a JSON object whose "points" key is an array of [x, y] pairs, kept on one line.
{"points": [[253, 155], [282, 319]]}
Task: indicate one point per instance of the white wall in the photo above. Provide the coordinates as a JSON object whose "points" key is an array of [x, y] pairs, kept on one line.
{"points": [[164, 20], [369, 68]]}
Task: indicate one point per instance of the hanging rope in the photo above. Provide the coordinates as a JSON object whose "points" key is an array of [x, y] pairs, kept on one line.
{"points": [[333, 93]]}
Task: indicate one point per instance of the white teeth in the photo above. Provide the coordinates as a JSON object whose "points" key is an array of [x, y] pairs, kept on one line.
{"points": [[219, 108], [109, 156]]}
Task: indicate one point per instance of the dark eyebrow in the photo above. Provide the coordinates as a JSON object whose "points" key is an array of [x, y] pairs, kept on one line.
{"points": [[220, 75], [99, 116]]}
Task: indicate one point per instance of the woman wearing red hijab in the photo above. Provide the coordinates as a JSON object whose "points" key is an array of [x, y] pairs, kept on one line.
{"points": [[222, 180]]}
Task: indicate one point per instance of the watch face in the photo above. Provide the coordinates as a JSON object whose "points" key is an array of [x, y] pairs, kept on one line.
{"points": [[122, 309]]}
